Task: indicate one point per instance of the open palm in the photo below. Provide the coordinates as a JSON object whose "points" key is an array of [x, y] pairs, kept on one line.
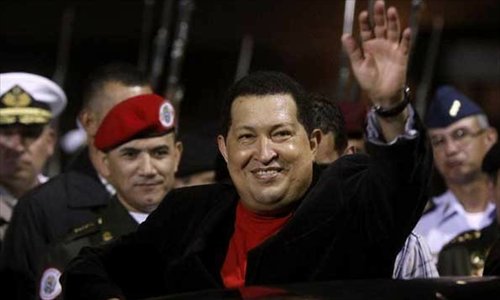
{"points": [[380, 63]]}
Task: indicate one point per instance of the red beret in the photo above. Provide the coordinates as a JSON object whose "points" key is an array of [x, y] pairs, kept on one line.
{"points": [[135, 117]]}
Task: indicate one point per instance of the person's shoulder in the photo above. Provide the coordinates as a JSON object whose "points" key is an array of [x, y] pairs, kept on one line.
{"points": [[350, 161], [202, 193], [438, 205], [56, 189]]}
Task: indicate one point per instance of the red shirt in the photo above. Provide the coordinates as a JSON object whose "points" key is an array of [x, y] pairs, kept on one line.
{"points": [[250, 231]]}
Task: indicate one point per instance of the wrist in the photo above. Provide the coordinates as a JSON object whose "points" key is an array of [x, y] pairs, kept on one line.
{"points": [[394, 109]]}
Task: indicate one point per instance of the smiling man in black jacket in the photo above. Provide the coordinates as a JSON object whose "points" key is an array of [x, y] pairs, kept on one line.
{"points": [[282, 221]]}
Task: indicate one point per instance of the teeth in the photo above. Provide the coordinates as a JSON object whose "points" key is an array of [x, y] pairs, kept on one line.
{"points": [[266, 172]]}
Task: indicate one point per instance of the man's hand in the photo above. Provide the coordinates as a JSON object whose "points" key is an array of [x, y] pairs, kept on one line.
{"points": [[380, 62]]}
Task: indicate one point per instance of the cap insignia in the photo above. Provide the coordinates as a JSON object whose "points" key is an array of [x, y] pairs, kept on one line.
{"points": [[455, 108], [16, 97], [167, 115]]}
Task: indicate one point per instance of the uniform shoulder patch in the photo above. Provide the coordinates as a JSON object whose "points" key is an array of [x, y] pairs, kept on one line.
{"points": [[50, 287]]}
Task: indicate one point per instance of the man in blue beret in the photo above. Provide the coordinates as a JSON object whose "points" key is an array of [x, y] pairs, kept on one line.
{"points": [[460, 136]]}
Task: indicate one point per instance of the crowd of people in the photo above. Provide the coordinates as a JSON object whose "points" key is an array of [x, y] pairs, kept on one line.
{"points": [[297, 202]]}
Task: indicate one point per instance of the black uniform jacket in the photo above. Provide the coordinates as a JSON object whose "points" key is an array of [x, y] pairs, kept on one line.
{"points": [[492, 264], [44, 216], [465, 255], [112, 221], [350, 224]]}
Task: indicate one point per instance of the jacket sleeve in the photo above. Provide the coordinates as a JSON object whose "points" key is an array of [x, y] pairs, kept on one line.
{"points": [[387, 191], [24, 242], [399, 180], [131, 266]]}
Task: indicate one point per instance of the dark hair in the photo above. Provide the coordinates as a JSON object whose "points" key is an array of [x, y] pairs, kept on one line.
{"points": [[264, 83], [328, 118], [124, 73]]}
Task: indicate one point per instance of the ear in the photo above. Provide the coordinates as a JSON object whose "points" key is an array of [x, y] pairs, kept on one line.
{"points": [[104, 165], [178, 149], [50, 140], [221, 142], [89, 121], [491, 136], [314, 140]]}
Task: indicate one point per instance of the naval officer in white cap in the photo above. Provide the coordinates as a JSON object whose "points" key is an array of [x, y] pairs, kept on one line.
{"points": [[28, 104]]}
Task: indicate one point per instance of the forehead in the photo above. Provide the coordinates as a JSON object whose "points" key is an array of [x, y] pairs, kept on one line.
{"points": [[263, 110], [468, 122], [147, 143]]}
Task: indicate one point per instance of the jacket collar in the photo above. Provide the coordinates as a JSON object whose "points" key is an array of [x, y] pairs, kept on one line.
{"points": [[83, 186]]}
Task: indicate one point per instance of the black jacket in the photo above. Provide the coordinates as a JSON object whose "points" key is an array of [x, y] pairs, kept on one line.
{"points": [[466, 254], [44, 216], [112, 221], [350, 224], [492, 264]]}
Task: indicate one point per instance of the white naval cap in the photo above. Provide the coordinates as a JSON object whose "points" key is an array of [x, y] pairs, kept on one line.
{"points": [[29, 99]]}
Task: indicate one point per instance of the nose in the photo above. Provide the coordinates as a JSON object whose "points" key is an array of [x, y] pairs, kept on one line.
{"points": [[147, 167], [265, 150], [450, 147]]}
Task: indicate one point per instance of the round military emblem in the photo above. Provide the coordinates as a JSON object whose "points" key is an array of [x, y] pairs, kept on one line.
{"points": [[167, 115], [50, 287]]}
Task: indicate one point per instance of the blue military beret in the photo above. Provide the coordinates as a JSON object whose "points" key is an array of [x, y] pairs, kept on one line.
{"points": [[448, 106]]}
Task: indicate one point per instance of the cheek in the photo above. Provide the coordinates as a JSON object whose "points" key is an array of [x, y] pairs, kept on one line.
{"points": [[122, 174], [300, 151], [40, 151], [166, 167], [238, 156]]}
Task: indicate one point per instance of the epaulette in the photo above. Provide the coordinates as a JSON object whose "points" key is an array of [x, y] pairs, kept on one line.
{"points": [[465, 236], [84, 230]]}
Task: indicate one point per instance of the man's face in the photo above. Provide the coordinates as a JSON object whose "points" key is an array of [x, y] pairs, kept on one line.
{"points": [[268, 152], [24, 150], [326, 149], [142, 170], [460, 148]]}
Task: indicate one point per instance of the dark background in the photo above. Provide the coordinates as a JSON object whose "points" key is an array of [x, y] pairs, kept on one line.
{"points": [[299, 37]]}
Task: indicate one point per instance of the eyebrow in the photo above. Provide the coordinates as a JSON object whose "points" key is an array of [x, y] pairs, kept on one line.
{"points": [[273, 127], [160, 147]]}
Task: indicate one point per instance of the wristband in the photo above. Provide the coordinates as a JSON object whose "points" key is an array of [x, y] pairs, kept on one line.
{"points": [[395, 110]]}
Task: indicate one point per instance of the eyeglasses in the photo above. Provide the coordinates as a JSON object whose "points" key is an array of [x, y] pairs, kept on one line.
{"points": [[460, 137]]}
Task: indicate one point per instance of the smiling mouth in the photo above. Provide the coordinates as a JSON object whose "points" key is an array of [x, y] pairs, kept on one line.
{"points": [[266, 174]]}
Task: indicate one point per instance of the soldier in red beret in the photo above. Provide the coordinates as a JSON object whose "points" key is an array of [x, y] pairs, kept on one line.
{"points": [[141, 152], [51, 223]]}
